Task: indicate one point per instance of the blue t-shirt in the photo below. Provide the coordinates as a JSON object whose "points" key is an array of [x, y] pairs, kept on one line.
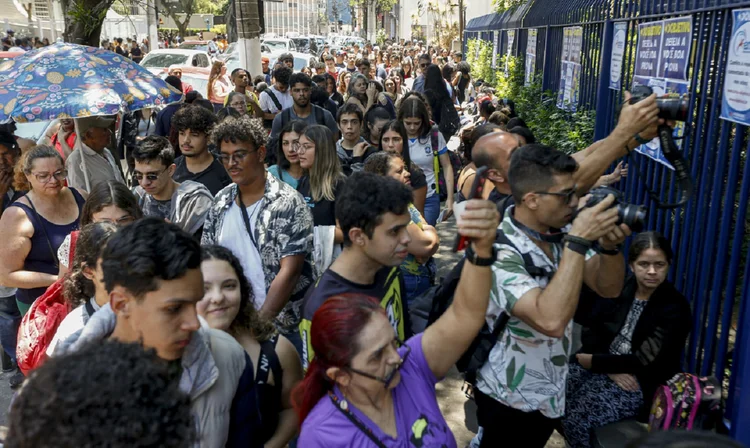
{"points": [[283, 175]]}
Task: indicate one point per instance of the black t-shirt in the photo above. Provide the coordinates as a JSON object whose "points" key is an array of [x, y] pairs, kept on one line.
{"points": [[215, 177], [418, 179], [323, 211], [387, 288]]}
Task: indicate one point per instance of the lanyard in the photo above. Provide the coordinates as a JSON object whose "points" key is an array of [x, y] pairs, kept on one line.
{"points": [[246, 220], [343, 406]]}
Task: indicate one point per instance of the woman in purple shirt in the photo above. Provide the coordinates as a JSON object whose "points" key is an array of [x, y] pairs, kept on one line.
{"points": [[365, 388]]}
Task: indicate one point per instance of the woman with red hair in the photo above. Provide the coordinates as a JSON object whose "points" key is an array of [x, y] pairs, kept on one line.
{"points": [[364, 387]]}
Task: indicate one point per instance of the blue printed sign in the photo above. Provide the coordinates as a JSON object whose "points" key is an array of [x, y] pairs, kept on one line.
{"points": [[618, 50], [735, 103], [649, 49], [675, 48]]}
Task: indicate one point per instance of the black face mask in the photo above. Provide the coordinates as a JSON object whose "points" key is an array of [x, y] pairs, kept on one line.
{"points": [[386, 380]]}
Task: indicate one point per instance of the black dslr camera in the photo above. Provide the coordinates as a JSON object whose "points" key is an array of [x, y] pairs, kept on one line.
{"points": [[632, 215], [670, 108]]}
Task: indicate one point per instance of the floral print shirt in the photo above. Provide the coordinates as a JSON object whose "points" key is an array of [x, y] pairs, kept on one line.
{"points": [[526, 369], [284, 228]]}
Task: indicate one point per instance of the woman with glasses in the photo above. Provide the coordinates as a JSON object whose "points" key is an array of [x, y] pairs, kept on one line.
{"points": [[109, 201], [364, 387], [320, 186], [33, 227], [288, 169], [630, 346]]}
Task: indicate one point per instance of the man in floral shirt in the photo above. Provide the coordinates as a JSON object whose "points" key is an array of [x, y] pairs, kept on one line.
{"points": [[265, 223], [520, 391]]}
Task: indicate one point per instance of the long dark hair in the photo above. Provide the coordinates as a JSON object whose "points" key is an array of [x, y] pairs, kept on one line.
{"points": [[414, 106], [649, 240], [296, 126], [109, 193], [248, 317], [434, 84], [397, 126], [77, 289], [374, 114]]}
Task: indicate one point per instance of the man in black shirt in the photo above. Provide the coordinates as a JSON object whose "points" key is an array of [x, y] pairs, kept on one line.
{"points": [[193, 125]]}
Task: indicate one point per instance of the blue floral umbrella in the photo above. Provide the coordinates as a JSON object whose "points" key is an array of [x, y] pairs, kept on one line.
{"points": [[71, 81]]}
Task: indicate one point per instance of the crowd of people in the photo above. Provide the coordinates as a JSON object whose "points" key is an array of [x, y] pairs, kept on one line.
{"points": [[268, 245]]}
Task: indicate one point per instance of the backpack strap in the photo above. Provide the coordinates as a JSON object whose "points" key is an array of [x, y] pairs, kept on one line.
{"points": [[269, 362], [320, 117], [533, 270], [72, 251], [434, 141], [275, 100]]}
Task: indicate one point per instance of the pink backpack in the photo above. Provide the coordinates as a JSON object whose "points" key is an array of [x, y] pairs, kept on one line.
{"points": [[686, 402]]}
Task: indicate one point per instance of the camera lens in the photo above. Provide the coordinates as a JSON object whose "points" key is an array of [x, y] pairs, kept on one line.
{"points": [[634, 216], [673, 108]]}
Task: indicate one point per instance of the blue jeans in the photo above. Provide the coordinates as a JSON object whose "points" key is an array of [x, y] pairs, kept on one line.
{"points": [[10, 317], [415, 285], [432, 209]]}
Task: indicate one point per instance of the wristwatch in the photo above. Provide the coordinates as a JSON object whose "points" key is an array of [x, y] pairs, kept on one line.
{"points": [[472, 257]]}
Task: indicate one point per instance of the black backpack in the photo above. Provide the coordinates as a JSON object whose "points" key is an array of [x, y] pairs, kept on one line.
{"points": [[450, 122], [286, 115], [429, 306]]}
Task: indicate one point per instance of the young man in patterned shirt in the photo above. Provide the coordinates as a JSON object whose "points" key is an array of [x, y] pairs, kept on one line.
{"points": [[520, 390]]}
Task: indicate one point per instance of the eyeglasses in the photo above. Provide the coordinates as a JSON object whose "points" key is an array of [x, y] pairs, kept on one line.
{"points": [[388, 378], [567, 195], [423, 65], [302, 149], [121, 221], [149, 176], [238, 157], [46, 177]]}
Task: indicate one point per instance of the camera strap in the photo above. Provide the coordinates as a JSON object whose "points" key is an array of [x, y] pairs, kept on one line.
{"points": [[556, 237], [681, 170]]}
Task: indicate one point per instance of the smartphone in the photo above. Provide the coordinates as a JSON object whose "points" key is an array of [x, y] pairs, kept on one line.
{"points": [[476, 192]]}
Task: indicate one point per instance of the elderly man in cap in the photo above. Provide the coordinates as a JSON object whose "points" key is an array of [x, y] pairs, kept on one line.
{"points": [[92, 162], [287, 59], [264, 62]]}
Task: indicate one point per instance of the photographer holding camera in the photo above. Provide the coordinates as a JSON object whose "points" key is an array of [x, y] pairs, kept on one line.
{"points": [[520, 390]]}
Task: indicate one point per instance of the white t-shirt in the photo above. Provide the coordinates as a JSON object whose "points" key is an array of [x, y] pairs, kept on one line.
{"points": [[234, 237], [74, 321], [420, 151], [267, 104]]}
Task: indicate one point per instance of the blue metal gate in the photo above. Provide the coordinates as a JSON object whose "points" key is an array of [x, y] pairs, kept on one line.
{"points": [[711, 234]]}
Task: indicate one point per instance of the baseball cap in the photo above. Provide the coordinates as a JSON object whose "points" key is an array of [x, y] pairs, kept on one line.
{"points": [[286, 56], [86, 123], [265, 59]]}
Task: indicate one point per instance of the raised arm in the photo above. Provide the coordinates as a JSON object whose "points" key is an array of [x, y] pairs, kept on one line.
{"points": [[448, 338]]}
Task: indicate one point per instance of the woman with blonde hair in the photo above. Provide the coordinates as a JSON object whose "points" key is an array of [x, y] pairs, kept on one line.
{"points": [[219, 85], [320, 185]]}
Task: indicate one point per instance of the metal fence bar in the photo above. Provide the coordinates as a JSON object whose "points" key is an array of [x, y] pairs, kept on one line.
{"points": [[709, 234]]}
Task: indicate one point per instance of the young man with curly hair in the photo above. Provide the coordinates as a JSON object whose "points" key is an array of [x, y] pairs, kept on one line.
{"points": [[264, 222], [193, 125], [129, 388], [151, 272]]}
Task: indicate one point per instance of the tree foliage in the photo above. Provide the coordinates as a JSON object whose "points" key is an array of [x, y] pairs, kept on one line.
{"points": [[84, 19]]}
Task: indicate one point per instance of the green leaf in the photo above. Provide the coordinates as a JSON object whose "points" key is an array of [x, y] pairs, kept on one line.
{"points": [[516, 348], [520, 332], [566, 344], [518, 378], [510, 372], [552, 403], [509, 280], [559, 360]]}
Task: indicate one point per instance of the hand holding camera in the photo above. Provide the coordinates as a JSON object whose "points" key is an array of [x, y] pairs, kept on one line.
{"points": [[637, 117], [594, 221]]}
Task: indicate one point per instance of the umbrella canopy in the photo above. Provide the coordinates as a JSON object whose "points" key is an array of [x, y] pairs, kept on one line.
{"points": [[71, 81]]}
